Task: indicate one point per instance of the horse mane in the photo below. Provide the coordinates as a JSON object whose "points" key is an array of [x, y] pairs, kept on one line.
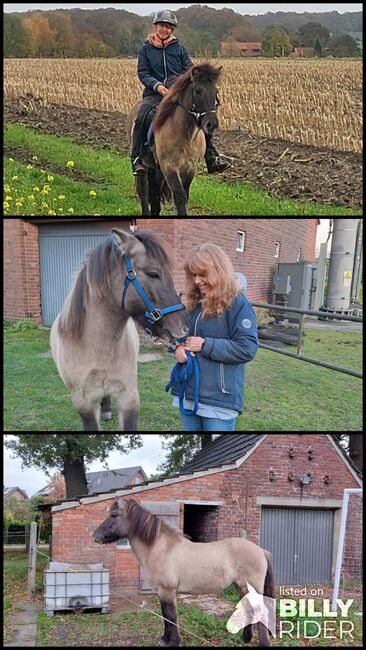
{"points": [[96, 274], [146, 526], [204, 74]]}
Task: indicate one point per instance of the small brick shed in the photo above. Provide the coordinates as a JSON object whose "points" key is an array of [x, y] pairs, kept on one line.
{"points": [[249, 485]]}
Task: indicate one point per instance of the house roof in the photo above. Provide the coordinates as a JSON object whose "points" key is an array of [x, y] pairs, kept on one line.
{"points": [[228, 448], [112, 479], [106, 480], [8, 491], [224, 450]]}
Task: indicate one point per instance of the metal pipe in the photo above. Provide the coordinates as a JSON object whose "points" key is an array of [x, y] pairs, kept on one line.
{"points": [[342, 533], [322, 364], [309, 312]]}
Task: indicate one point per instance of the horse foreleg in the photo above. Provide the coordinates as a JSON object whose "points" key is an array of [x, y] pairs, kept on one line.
{"points": [[171, 637], [265, 641], [89, 413], [128, 403], [142, 187], [178, 192], [154, 192]]}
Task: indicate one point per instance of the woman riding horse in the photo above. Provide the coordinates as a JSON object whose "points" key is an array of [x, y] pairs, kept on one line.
{"points": [[161, 60]]}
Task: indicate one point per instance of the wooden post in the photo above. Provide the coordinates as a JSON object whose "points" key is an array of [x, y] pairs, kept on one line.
{"points": [[32, 563]]}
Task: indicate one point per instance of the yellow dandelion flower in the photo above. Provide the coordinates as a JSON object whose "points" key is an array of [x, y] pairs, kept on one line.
{"points": [[92, 193], [70, 163]]}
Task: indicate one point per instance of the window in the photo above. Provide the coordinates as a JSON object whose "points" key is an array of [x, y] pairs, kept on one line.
{"points": [[123, 543], [299, 255], [240, 242], [277, 249]]}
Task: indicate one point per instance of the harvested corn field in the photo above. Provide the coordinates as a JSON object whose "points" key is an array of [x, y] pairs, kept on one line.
{"points": [[292, 127], [311, 102]]}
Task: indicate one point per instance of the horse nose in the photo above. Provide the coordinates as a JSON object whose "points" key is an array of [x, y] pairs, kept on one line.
{"points": [[210, 126]]}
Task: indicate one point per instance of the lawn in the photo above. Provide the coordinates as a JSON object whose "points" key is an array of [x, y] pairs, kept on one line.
{"points": [[281, 394]]}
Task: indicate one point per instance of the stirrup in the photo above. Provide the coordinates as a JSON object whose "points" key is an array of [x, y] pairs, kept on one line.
{"points": [[138, 169]]}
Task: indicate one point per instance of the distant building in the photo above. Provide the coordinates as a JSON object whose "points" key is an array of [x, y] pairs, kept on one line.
{"points": [[243, 49], [302, 53], [16, 492], [108, 479]]}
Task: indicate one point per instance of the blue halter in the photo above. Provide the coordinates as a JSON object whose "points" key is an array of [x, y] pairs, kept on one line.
{"points": [[153, 315], [181, 374]]}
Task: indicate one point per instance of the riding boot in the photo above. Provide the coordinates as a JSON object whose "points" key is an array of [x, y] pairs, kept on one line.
{"points": [[215, 161], [137, 144]]}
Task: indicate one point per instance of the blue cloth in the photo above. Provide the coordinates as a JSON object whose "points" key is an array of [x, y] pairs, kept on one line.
{"points": [[161, 65], [231, 341]]}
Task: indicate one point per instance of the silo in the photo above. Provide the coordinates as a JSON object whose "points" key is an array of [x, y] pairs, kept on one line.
{"points": [[341, 265]]}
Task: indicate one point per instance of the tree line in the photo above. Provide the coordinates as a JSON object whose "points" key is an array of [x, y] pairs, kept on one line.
{"points": [[120, 33]]}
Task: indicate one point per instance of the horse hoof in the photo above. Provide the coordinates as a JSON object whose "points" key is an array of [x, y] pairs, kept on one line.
{"points": [[107, 416], [163, 644]]}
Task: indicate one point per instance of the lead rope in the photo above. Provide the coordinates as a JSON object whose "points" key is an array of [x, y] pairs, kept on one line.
{"points": [[181, 375]]}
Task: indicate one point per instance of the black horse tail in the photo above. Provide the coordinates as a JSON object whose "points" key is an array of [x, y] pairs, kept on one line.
{"points": [[269, 582]]}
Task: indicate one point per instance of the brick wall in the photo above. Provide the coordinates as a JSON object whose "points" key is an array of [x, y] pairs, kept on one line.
{"points": [[257, 262], [236, 489], [21, 270]]}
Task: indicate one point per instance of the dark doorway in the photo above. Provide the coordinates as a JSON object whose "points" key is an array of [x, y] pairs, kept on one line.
{"points": [[200, 522]]}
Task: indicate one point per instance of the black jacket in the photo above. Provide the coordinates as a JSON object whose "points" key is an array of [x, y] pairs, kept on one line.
{"points": [[161, 65]]}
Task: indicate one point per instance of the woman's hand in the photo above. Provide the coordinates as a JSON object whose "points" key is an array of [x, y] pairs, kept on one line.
{"points": [[194, 343], [180, 354]]}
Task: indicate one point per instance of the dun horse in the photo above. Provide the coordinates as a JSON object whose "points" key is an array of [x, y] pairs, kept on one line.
{"points": [[94, 340], [174, 564], [184, 113]]}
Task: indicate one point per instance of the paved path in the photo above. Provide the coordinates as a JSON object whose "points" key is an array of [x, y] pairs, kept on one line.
{"points": [[24, 620]]}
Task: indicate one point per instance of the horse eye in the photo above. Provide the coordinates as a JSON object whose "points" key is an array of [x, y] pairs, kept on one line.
{"points": [[153, 275], [198, 92]]}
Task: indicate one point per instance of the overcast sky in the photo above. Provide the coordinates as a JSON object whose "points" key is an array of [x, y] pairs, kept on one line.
{"points": [[33, 479], [144, 9]]}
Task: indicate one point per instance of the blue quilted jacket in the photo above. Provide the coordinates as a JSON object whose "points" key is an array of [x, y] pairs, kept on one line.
{"points": [[231, 341]]}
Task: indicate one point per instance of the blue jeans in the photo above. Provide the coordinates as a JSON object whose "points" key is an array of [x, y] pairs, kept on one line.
{"points": [[197, 423]]}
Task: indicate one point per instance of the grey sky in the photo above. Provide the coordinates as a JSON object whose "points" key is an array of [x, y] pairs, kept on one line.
{"points": [[144, 9], [33, 479]]}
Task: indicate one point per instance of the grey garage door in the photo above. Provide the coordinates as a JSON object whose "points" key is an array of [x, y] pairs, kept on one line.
{"points": [[62, 250], [301, 542]]}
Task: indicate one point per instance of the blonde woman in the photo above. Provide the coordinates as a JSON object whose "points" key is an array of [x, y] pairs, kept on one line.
{"points": [[223, 337]]}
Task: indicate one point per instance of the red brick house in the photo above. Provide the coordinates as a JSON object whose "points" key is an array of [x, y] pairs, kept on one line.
{"points": [[283, 492], [244, 49], [42, 256]]}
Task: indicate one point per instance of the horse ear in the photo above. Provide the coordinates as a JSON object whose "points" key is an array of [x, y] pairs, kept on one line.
{"points": [[194, 73], [127, 243], [121, 503]]}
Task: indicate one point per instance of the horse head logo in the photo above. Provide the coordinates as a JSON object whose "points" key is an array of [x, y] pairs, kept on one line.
{"points": [[253, 608]]}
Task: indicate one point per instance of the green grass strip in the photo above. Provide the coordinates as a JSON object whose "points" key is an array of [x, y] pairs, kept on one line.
{"points": [[105, 184]]}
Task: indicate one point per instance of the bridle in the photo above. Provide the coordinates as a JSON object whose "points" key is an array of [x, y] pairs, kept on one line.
{"points": [[198, 116], [153, 315]]}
